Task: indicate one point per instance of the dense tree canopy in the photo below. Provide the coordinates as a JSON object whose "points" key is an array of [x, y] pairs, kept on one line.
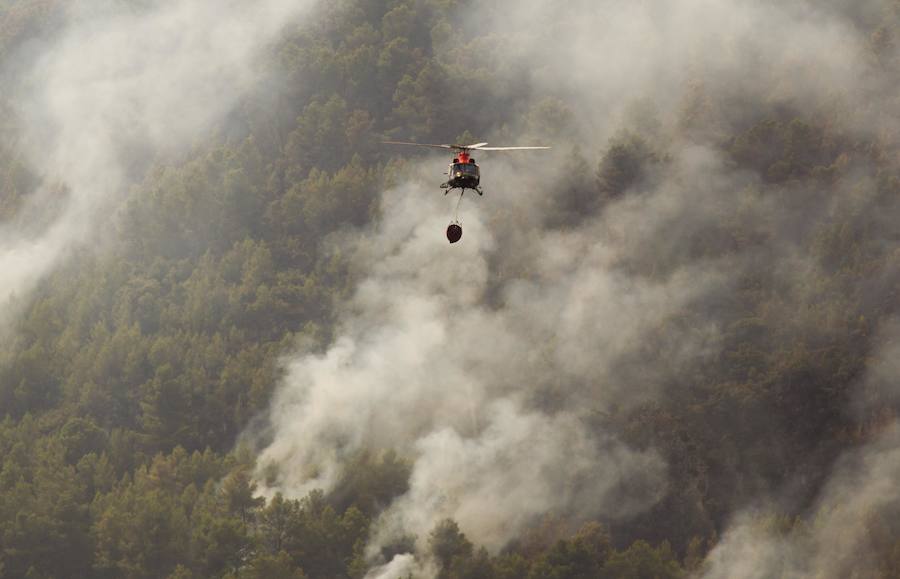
{"points": [[132, 371]]}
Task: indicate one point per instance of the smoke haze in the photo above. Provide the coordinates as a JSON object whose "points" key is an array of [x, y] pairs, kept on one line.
{"points": [[424, 367], [487, 363], [680, 325], [120, 86]]}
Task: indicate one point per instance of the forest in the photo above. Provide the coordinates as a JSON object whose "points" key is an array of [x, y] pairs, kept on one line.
{"points": [[738, 401]]}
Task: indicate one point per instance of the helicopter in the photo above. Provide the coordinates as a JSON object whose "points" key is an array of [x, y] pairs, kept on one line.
{"points": [[463, 174]]}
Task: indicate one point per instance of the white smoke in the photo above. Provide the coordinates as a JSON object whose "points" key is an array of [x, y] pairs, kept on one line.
{"points": [[522, 466], [852, 519], [426, 365], [400, 567], [122, 83], [483, 361], [862, 495], [601, 57]]}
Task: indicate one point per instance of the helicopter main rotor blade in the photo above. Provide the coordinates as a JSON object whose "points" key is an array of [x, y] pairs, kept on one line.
{"points": [[512, 148], [475, 147], [419, 144]]}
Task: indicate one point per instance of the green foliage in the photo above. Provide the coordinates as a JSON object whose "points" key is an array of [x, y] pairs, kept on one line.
{"points": [[265, 566], [582, 556], [641, 561], [447, 544], [132, 370], [624, 165], [139, 532], [783, 150], [371, 483]]}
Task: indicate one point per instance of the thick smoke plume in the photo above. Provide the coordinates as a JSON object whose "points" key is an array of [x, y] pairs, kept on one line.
{"points": [[120, 85], [426, 367], [491, 364], [861, 496]]}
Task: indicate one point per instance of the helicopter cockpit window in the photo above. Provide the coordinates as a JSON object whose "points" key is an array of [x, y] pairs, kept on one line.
{"points": [[466, 168]]}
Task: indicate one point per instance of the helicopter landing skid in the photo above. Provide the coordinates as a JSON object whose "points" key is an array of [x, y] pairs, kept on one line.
{"points": [[448, 189]]}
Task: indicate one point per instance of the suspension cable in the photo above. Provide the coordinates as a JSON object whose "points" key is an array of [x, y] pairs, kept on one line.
{"points": [[458, 203]]}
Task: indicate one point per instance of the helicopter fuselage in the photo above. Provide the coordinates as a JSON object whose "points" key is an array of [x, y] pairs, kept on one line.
{"points": [[463, 176], [463, 173]]}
